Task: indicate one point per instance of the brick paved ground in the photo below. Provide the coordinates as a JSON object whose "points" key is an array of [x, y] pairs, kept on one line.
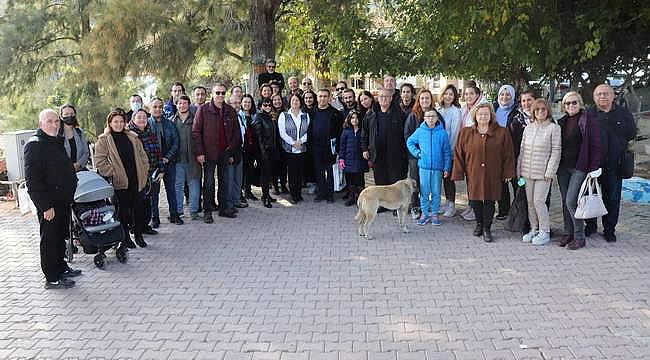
{"points": [[297, 283]]}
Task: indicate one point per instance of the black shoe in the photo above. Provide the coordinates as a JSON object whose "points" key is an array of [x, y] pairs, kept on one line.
{"points": [[62, 283], [478, 230], [351, 201], [242, 205], [140, 241], [293, 200], [590, 230], [71, 273], [128, 243], [318, 199], [610, 237], [300, 198], [267, 202], [276, 191], [207, 218], [179, 221], [149, 231], [235, 210], [330, 199], [272, 199], [251, 196], [502, 216], [228, 214], [284, 189], [155, 223], [346, 196], [487, 235]]}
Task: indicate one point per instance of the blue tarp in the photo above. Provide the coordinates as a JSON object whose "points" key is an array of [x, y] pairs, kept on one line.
{"points": [[637, 190]]}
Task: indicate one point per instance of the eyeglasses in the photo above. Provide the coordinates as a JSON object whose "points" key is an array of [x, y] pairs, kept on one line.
{"points": [[306, 83], [340, 89], [574, 102], [220, 93], [270, 66]]}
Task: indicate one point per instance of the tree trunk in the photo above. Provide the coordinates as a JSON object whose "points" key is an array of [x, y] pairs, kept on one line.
{"points": [[262, 19]]}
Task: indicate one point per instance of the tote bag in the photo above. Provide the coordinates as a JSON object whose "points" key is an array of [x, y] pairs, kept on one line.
{"points": [[590, 202]]}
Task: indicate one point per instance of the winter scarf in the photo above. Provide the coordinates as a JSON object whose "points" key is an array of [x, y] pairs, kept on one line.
{"points": [[151, 146]]}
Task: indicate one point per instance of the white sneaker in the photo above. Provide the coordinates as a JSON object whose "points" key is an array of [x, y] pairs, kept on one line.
{"points": [[468, 214], [529, 237], [451, 210], [542, 238]]}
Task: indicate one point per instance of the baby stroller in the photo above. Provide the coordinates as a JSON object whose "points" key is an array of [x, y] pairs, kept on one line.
{"points": [[94, 219]]}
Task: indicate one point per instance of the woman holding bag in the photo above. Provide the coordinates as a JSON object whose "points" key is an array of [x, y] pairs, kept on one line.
{"points": [[538, 162], [580, 158]]}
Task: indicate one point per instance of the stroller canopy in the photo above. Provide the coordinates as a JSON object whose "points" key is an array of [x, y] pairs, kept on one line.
{"points": [[91, 187]]}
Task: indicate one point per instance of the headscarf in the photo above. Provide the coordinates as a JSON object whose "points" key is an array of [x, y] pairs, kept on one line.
{"points": [[151, 146], [504, 109]]}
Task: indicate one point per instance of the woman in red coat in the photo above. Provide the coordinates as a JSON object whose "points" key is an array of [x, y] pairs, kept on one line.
{"points": [[484, 155]]}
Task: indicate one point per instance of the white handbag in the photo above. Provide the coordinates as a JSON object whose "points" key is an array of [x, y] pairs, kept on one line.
{"points": [[25, 201], [590, 202]]}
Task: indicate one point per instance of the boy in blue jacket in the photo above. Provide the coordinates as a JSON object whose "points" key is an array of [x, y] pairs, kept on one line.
{"points": [[430, 145]]}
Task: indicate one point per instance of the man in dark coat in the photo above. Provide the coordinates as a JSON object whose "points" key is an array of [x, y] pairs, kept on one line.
{"points": [[51, 183], [616, 129], [217, 143], [382, 142], [324, 130], [271, 75]]}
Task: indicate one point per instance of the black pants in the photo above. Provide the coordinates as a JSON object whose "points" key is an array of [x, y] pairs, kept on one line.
{"points": [[324, 178], [355, 179], [53, 234], [296, 167], [504, 202], [209, 204], [248, 175], [132, 210], [387, 172], [484, 212], [266, 172], [414, 173], [611, 184], [280, 165]]}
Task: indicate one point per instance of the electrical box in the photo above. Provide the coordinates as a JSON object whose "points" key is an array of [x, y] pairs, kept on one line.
{"points": [[15, 152]]}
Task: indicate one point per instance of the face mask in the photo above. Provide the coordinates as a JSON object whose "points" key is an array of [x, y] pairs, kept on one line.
{"points": [[69, 120], [135, 106]]}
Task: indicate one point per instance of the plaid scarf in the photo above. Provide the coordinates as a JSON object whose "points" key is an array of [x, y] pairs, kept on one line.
{"points": [[151, 146]]}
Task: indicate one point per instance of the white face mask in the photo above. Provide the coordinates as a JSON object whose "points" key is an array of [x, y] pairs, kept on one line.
{"points": [[135, 106]]}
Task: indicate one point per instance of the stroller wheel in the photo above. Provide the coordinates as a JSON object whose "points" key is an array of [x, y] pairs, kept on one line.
{"points": [[122, 255], [99, 261]]}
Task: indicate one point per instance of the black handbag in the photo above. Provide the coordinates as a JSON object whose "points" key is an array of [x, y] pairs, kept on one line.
{"points": [[627, 164], [518, 215]]}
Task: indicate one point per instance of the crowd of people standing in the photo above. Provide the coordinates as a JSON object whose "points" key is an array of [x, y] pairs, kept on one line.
{"points": [[301, 137]]}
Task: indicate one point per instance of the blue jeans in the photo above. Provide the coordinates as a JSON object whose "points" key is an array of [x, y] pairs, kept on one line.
{"points": [[236, 184], [430, 185], [570, 181], [194, 187], [170, 188]]}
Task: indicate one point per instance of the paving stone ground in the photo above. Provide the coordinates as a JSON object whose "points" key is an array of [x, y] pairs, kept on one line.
{"points": [[297, 283]]}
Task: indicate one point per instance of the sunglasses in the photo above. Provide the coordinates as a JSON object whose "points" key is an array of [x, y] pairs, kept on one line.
{"points": [[574, 102], [266, 104], [340, 89], [220, 93], [306, 83]]}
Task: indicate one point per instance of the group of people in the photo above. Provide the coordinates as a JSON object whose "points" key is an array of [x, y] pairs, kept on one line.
{"points": [[286, 143]]}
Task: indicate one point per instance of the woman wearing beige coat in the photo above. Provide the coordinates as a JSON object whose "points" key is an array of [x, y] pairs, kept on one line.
{"points": [[119, 155], [538, 161]]}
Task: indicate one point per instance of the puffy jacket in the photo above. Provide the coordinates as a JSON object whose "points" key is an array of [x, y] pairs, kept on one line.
{"points": [[267, 134], [170, 140], [541, 149], [431, 147], [350, 151], [49, 173]]}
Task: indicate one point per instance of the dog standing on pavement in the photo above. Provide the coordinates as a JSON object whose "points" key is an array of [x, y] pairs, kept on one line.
{"points": [[394, 197]]}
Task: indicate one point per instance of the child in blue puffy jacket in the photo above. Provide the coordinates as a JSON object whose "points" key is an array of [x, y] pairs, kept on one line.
{"points": [[430, 145], [350, 159]]}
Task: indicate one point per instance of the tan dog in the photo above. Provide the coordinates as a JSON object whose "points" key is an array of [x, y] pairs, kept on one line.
{"points": [[394, 197]]}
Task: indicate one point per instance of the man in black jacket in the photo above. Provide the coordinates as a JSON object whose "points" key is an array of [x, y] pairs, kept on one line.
{"points": [[324, 130], [616, 129], [271, 75], [51, 183]]}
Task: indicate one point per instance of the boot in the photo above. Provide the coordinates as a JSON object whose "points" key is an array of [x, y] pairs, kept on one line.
{"points": [[576, 244], [566, 240], [140, 241], [487, 234], [478, 230], [351, 194]]}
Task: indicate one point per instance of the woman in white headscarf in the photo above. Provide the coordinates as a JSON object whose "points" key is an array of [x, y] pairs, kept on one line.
{"points": [[504, 107]]}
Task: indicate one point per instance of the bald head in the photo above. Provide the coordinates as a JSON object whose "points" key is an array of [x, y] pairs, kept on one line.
{"points": [[48, 121], [604, 97]]}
